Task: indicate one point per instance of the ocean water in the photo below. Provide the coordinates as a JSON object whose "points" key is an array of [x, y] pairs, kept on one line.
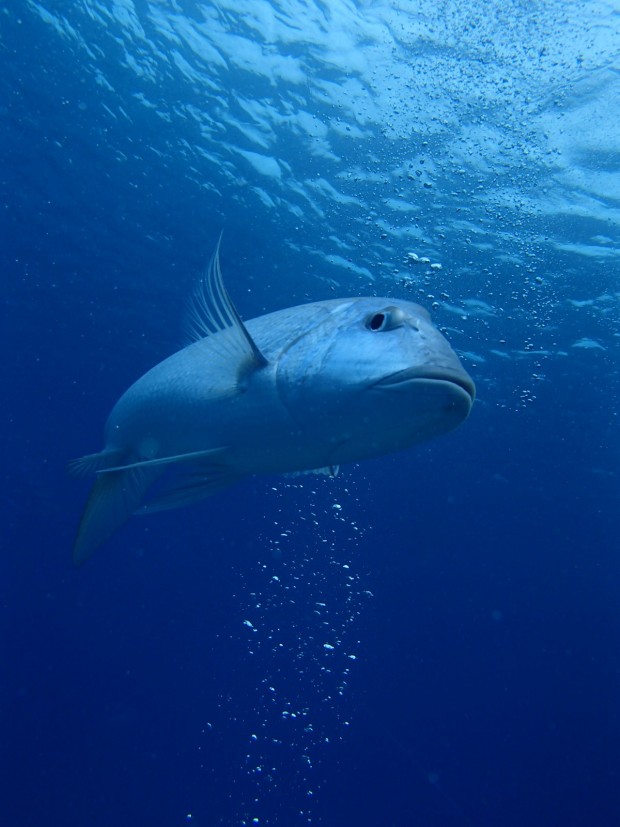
{"points": [[431, 638]]}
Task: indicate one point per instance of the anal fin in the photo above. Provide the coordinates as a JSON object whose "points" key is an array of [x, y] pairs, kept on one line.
{"points": [[113, 499]]}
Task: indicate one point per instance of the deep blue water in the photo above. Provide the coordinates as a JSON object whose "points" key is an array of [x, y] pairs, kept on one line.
{"points": [[469, 586]]}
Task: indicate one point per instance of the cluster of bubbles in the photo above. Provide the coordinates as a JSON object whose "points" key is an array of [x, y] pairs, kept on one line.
{"points": [[298, 624]]}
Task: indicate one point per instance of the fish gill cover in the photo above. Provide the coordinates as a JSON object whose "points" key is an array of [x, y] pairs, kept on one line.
{"points": [[427, 638]]}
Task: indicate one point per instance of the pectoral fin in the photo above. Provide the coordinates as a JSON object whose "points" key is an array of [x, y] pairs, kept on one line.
{"points": [[93, 463], [172, 460]]}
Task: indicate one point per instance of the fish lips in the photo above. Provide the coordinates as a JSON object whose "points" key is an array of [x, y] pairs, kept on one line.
{"points": [[455, 383]]}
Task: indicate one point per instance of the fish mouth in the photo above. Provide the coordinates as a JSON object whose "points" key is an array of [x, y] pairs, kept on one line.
{"points": [[431, 374]]}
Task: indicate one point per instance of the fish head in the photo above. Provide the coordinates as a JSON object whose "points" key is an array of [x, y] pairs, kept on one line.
{"points": [[378, 376]]}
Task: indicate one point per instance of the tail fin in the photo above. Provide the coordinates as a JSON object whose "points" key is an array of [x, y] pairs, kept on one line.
{"points": [[113, 499]]}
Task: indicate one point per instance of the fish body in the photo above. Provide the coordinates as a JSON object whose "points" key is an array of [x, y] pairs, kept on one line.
{"points": [[305, 388]]}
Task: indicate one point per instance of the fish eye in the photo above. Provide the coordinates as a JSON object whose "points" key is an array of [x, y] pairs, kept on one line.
{"points": [[387, 319], [376, 321]]}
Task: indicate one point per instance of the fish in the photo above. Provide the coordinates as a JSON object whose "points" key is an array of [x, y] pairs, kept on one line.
{"points": [[306, 388]]}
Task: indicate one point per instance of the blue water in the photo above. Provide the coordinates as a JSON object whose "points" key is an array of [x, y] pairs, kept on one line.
{"points": [[432, 638]]}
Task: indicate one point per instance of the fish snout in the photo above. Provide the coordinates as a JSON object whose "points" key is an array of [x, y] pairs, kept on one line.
{"points": [[440, 373]]}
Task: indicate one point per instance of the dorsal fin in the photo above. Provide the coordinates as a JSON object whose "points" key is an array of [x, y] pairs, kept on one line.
{"points": [[212, 311]]}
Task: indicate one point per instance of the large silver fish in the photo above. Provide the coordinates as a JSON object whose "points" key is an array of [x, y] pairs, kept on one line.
{"points": [[304, 388]]}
